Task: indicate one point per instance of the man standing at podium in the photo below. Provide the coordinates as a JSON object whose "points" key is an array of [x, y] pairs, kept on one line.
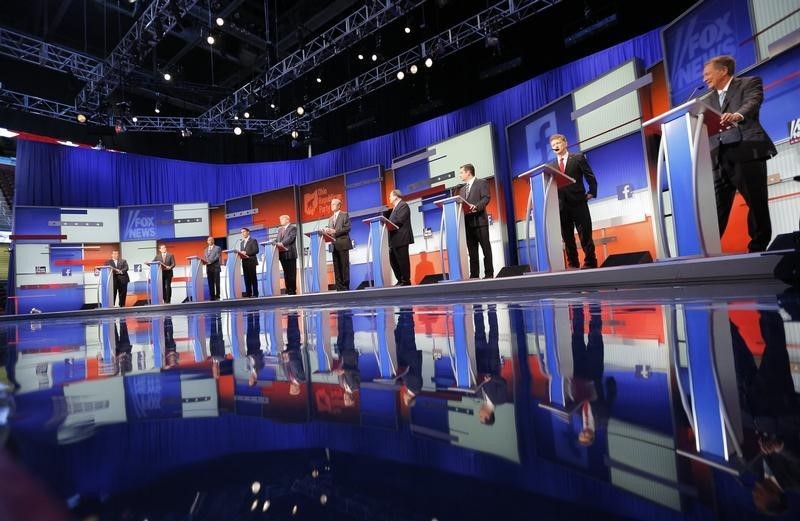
{"points": [[573, 207], [339, 228], [211, 256], [119, 267], [249, 247], [399, 239], [476, 223], [739, 154], [167, 261], [287, 236]]}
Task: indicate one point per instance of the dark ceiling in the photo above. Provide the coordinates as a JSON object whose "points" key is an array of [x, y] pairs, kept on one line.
{"points": [[259, 33]]}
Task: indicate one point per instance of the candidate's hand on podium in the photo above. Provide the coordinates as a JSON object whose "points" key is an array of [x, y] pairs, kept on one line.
{"points": [[472, 208], [589, 196], [729, 118]]}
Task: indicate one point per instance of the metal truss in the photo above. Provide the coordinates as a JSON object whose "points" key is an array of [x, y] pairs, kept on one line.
{"points": [[33, 50], [38, 106], [156, 21], [475, 29], [365, 21]]}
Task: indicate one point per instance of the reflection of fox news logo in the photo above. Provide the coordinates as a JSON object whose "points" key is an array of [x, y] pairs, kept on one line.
{"points": [[698, 39], [794, 131], [140, 225]]}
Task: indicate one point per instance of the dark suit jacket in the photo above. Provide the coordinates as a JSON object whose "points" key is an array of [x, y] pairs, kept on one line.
{"points": [[213, 258], [341, 234], [400, 216], [251, 249], [744, 96], [479, 196], [288, 239], [122, 265], [169, 262], [578, 168]]}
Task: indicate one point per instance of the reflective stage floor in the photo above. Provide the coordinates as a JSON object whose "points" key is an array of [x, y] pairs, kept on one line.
{"points": [[642, 404]]}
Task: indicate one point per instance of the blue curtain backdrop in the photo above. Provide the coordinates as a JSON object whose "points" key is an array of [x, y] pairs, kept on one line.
{"points": [[55, 175]]}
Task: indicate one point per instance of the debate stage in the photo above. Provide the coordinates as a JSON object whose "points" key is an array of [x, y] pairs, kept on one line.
{"points": [[739, 274]]}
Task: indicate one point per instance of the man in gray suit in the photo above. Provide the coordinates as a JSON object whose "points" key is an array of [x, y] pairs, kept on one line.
{"points": [[339, 228], [211, 257], [287, 236], [399, 239], [476, 223], [739, 154], [119, 267]]}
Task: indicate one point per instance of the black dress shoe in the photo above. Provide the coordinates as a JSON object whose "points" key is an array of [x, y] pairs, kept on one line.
{"points": [[589, 265], [489, 277]]}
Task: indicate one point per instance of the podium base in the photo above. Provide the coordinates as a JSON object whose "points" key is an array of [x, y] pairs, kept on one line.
{"points": [[513, 271], [432, 278]]}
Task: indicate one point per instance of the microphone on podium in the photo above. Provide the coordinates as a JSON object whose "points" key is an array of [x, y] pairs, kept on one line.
{"points": [[695, 91]]}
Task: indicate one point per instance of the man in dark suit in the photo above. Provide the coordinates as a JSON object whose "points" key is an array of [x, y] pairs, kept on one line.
{"points": [[167, 261], [292, 357], [119, 267], [248, 248], [573, 207], [339, 228], [476, 223], [409, 358], [123, 360], [739, 154], [492, 387], [287, 236], [211, 256], [399, 239], [348, 372]]}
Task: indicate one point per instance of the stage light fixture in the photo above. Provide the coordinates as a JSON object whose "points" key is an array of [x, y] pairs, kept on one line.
{"points": [[220, 21], [246, 115], [429, 62], [401, 75], [319, 80], [135, 119], [295, 134], [210, 39], [157, 110], [236, 117], [374, 57], [4, 132], [272, 105], [414, 69], [360, 56], [167, 76], [237, 130], [300, 110], [407, 30], [81, 118]]}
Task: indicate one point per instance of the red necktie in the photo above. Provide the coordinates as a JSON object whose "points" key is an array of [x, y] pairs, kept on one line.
{"points": [[561, 164]]}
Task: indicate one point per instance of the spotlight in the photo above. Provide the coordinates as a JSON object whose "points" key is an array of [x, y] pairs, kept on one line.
{"points": [[407, 30], [185, 132], [157, 110], [272, 105], [413, 69], [210, 39], [295, 134], [319, 80], [300, 110], [81, 118], [220, 21], [246, 115], [374, 57], [167, 76], [429, 62], [131, 1], [135, 119], [401, 75], [360, 56], [237, 130], [236, 117]]}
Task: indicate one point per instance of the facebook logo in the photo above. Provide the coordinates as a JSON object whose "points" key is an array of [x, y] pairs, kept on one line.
{"points": [[625, 191], [537, 136]]}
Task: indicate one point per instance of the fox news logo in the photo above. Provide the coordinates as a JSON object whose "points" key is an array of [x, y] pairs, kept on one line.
{"points": [[794, 131], [140, 225]]}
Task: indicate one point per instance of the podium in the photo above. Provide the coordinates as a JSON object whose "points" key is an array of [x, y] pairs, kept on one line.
{"points": [[194, 289], [270, 275], [233, 283], [317, 252], [685, 217], [155, 289], [105, 287], [378, 251], [452, 239], [543, 202]]}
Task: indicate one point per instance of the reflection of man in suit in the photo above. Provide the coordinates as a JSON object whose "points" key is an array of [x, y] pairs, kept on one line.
{"points": [[211, 255], [249, 247], [349, 375], [216, 346], [573, 207], [287, 236], [476, 223], [772, 408], [339, 228], [119, 268], [167, 261], [292, 357], [409, 359], [587, 383], [399, 239], [492, 387], [741, 163], [171, 357], [123, 361], [255, 356]]}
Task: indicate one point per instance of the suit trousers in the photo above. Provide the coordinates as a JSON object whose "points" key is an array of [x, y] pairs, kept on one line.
{"points": [[750, 179], [401, 265], [166, 285], [290, 275], [341, 269], [250, 278], [479, 235], [121, 289], [213, 283], [575, 215]]}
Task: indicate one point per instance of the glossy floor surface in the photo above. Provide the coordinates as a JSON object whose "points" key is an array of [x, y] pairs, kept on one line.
{"points": [[635, 406]]}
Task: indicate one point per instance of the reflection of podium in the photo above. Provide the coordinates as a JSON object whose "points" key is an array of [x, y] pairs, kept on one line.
{"points": [[378, 250], [105, 287], [155, 289], [317, 252], [233, 283], [452, 239], [271, 279], [194, 289], [683, 168], [545, 182]]}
